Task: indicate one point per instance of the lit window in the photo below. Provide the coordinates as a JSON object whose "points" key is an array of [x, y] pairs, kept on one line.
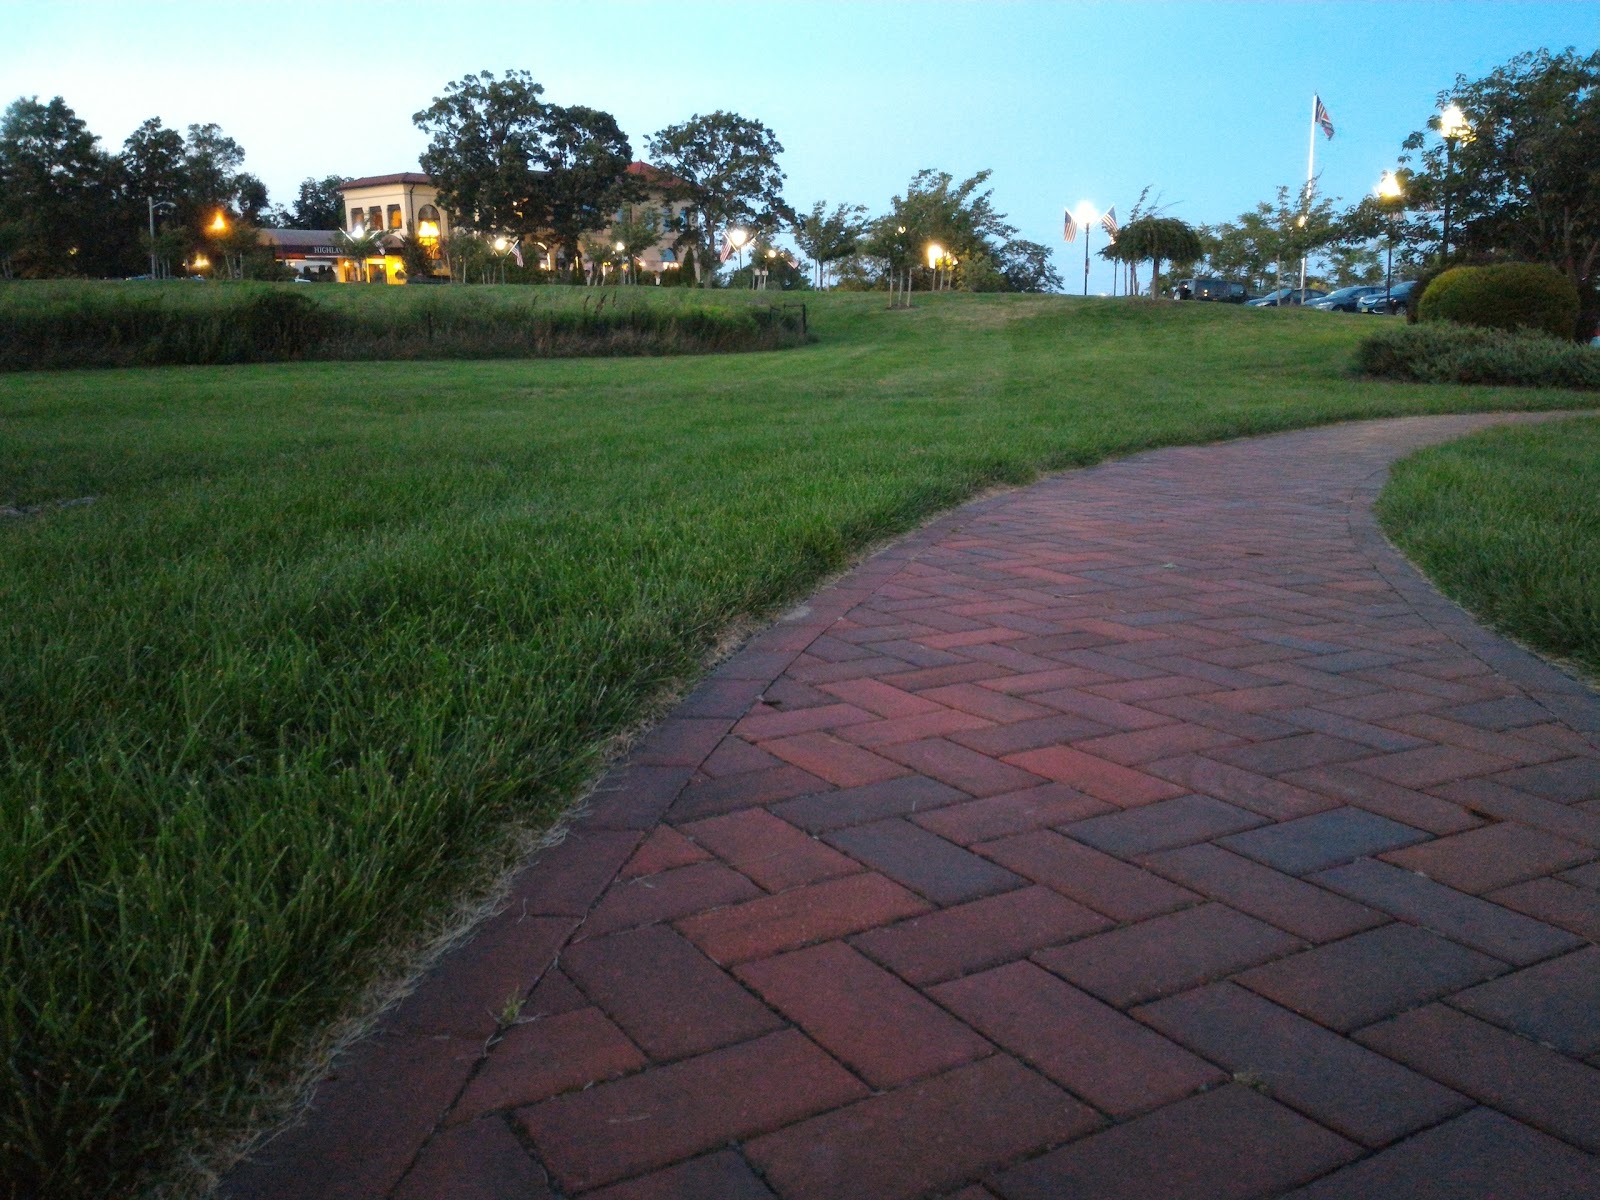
{"points": [[357, 222], [395, 220]]}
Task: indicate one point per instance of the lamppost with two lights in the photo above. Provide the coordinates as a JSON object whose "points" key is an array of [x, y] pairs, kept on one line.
{"points": [[1453, 128], [1086, 215], [1391, 196]]}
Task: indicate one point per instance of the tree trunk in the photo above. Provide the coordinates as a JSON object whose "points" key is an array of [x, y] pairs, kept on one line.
{"points": [[1155, 277]]}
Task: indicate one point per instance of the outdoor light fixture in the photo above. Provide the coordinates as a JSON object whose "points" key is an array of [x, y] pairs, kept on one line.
{"points": [[1389, 191], [1085, 216], [501, 245], [1453, 124], [738, 237], [1453, 128], [935, 253], [428, 229], [219, 224]]}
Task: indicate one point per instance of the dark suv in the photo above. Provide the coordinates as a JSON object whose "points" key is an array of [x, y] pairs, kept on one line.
{"points": [[1399, 299], [1224, 291]]}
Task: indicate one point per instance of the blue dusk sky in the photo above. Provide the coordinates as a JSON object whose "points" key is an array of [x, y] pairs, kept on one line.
{"points": [[1209, 103]]}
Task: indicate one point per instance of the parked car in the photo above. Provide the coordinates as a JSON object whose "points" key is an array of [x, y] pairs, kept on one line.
{"points": [[1397, 300], [1284, 297], [1225, 291], [1344, 300]]}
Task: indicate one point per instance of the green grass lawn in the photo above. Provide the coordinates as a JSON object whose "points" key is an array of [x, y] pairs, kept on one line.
{"points": [[1508, 523], [329, 632]]}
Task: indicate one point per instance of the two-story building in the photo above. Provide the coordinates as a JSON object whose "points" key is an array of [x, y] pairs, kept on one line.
{"points": [[406, 204]]}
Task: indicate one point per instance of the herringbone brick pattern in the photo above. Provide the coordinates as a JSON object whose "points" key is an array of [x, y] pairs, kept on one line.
{"points": [[1152, 831]]}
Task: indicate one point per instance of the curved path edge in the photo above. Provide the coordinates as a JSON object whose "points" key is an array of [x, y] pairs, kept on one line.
{"points": [[822, 934]]}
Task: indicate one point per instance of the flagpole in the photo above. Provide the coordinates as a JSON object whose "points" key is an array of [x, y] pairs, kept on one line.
{"points": [[1311, 174]]}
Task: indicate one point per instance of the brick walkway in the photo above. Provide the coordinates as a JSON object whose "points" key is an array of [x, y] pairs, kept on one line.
{"points": [[1153, 831]]}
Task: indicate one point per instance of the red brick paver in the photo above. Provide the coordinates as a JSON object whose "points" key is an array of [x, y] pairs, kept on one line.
{"points": [[1151, 831]]}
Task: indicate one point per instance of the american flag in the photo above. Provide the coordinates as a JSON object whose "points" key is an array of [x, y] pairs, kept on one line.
{"points": [[1069, 231], [727, 249], [1321, 117], [1108, 221]]}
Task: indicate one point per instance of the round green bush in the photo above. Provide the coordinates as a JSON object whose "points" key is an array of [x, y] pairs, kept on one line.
{"points": [[1528, 296]]}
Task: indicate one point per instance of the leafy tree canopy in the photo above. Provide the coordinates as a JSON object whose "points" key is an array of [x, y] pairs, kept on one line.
{"points": [[318, 205], [726, 166], [1157, 238], [487, 140], [57, 186], [1526, 178], [826, 237], [584, 159]]}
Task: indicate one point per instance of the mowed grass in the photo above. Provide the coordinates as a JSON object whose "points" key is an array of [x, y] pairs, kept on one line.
{"points": [[329, 633], [1508, 523]]}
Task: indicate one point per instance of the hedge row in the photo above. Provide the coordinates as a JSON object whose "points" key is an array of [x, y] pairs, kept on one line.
{"points": [[1443, 352], [106, 327]]}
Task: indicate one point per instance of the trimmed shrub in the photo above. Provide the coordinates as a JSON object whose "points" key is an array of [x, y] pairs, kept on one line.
{"points": [[1523, 296], [1441, 352]]}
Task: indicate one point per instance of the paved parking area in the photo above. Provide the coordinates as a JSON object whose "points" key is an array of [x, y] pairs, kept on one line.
{"points": [[1153, 831]]}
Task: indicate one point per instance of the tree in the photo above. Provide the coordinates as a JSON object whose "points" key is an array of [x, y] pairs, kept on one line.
{"points": [[726, 166], [318, 206], [485, 150], [636, 232], [826, 238], [1278, 234], [211, 170], [1158, 239], [584, 157], [153, 162], [1028, 267], [56, 186], [1526, 181], [360, 245]]}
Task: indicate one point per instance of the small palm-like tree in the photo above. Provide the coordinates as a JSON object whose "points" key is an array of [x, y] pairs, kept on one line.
{"points": [[1158, 239], [358, 245]]}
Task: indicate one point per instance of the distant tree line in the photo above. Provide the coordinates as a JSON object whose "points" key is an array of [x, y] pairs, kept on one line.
{"points": [[70, 206]]}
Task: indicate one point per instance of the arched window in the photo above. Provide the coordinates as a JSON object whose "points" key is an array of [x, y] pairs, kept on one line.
{"points": [[427, 221]]}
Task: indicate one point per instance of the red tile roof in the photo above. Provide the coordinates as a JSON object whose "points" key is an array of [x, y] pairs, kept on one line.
{"points": [[377, 180]]}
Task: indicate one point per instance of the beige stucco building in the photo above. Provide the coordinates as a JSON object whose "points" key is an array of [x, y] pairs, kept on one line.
{"points": [[407, 204]]}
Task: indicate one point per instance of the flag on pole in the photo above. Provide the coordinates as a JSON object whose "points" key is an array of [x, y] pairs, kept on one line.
{"points": [[727, 251], [1108, 221], [1321, 117], [516, 252], [1069, 231]]}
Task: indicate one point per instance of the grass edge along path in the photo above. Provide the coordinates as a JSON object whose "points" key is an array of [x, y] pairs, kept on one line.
{"points": [[1507, 524], [328, 631]]}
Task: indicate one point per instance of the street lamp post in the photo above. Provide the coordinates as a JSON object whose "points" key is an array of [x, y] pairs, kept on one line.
{"points": [[218, 229], [1453, 128], [1389, 194], [151, 201], [1086, 215], [737, 238], [935, 253]]}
